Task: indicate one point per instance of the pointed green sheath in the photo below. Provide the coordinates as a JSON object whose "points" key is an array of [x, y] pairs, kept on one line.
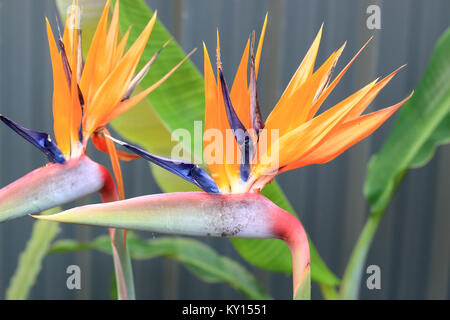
{"points": [[247, 215], [51, 186], [184, 213]]}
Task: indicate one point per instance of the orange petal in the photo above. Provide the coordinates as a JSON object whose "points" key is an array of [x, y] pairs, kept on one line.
{"points": [[240, 95], [115, 165], [260, 44], [294, 109], [217, 170], [111, 39], [61, 97], [230, 150], [121, 46], [68, 37], [311, 88], [93, 58], [114, 87], [280, 112], [74, 112], [129, 103], [364, 103], [298, 142], [319, 101], [345, 136], [306, 67]]}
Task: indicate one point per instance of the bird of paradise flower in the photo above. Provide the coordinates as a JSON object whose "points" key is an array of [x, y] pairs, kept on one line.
{"points": [[87, 95], [231, 205]]}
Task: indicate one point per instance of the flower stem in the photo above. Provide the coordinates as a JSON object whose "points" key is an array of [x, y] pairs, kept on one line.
{"points": [[290, 229], [122, 265], [121, 255], [351, 281]]}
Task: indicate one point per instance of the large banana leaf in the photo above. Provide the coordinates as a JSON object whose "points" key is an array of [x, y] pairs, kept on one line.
{"points": [[422, 124], [176, 104], [199, 258]]}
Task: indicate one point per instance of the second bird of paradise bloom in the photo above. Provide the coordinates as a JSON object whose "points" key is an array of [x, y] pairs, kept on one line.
{"points": [[231, 205], [87, 95]]}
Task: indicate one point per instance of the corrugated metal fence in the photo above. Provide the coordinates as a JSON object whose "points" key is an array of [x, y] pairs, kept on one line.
{"points": [[412, 244]]}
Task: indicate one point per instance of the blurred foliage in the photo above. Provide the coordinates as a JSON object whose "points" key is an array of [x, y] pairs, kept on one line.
{"points": [[199, 258], [423, 124], [30, 260]]}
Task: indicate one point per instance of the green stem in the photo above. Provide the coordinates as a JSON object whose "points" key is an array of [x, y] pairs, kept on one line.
{"points": [[122, 266], [121, 255], [351, 281], [303, 291]]}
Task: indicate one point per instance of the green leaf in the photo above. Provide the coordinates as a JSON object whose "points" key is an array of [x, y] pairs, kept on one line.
{"points": [[199, 258], [30, 260], [422, 124], [180, 100], [177, 104]]}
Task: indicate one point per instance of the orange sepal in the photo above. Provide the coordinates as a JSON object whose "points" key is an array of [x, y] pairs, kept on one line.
{"points": [[294, 106], [260, 44], [112, 152], [364, 103], [115, 85], [240, 95], [217, 170], [345, 136], [93, 60], [230, 148], [61, 97], [281, 112], [125, 105], [296, 143], [111, 40], [74, 110], [121, 46], [319, 101]]}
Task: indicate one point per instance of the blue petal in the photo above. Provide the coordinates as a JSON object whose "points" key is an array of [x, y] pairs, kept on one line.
{"points": [[241, 134], [235, 123], [40, 140], [188, 171]]}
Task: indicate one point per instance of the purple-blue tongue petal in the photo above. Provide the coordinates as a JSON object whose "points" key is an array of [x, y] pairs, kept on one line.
{"points": [[40, 140], [188, 171], [241, 134]]}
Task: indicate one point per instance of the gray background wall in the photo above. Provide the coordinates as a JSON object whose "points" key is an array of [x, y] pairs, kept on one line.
{"points": [[412, 243]]}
